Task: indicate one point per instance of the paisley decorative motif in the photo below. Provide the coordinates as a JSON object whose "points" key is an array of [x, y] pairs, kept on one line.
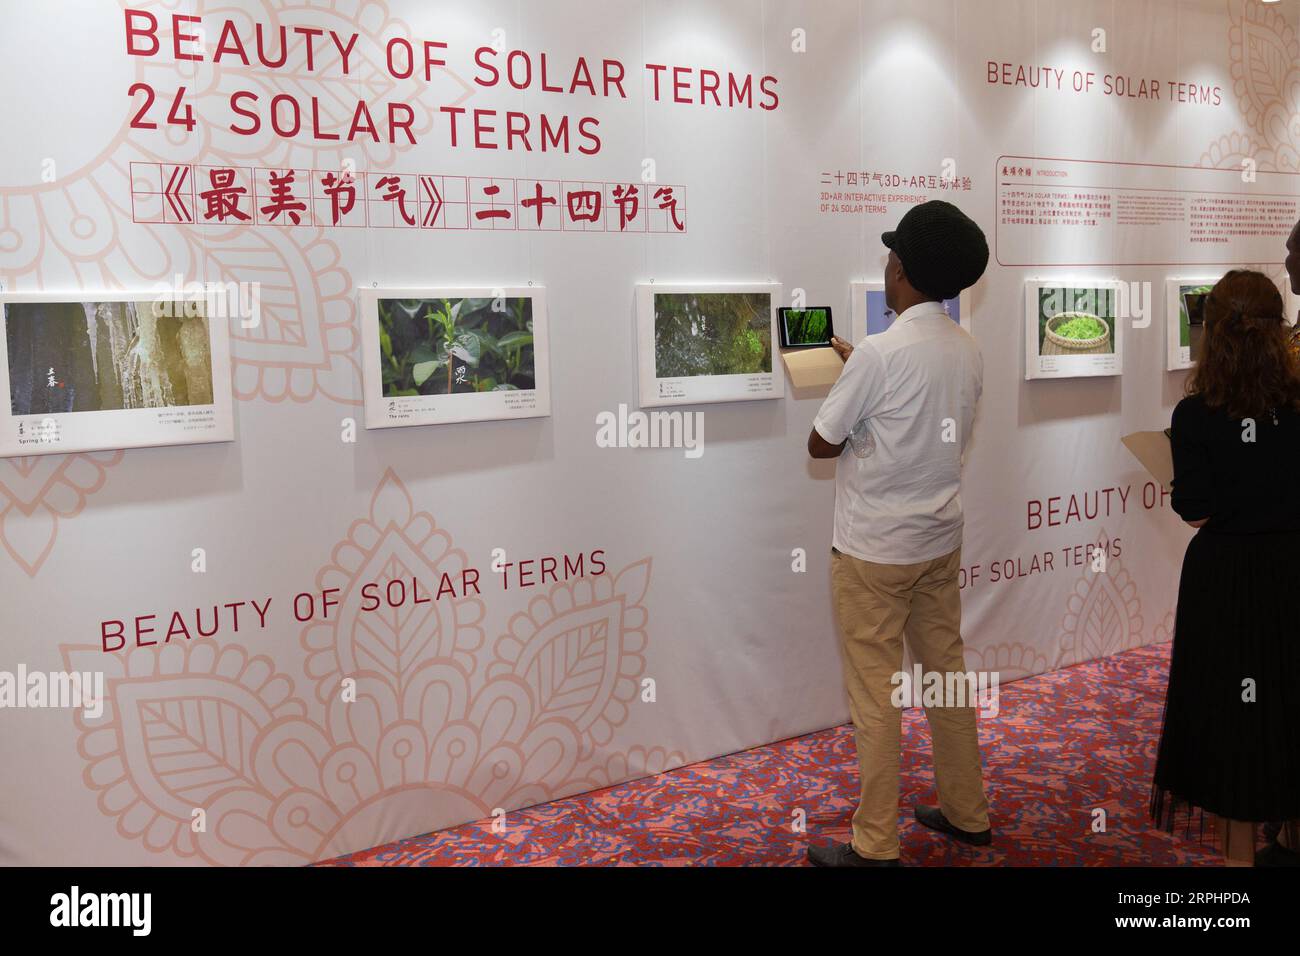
{"points": [[180, 728], [1103, 614], [37, 493], [1262, 51], [578, 649], [1012, 660]]}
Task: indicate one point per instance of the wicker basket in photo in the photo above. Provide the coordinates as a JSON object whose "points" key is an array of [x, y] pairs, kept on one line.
{"points": [[1075, 345]]}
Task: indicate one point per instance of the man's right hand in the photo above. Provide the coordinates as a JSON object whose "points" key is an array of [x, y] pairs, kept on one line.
{"points": [[842, 349]]}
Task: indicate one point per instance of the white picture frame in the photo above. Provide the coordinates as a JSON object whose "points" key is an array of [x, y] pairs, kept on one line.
{"points": [[1060, 358], [387, 407], [657, 390], [116, 376], [1177, 355], [869, 308]]}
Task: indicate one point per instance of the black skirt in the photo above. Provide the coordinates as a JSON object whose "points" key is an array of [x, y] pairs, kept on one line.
{"points": [[1230, 744]]}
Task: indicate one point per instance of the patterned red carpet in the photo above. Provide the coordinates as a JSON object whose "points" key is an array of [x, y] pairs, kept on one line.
{"points": [[1064, 745]]}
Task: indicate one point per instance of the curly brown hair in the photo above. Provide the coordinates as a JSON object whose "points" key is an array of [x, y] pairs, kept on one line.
{"points": [[1246, 364]]}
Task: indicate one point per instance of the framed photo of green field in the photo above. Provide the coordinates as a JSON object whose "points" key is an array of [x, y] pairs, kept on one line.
{"points": [[1073, 328], [707, 343], [1185, 320], [872, 316], [90, 371], [437, 356]]}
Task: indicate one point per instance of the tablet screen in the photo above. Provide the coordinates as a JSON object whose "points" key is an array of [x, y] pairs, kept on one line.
{"points": [[805, 328]]}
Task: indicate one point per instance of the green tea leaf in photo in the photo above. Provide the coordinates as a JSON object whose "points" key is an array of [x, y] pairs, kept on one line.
{"points": [[515, 339], [467, 348], [421, 372]]}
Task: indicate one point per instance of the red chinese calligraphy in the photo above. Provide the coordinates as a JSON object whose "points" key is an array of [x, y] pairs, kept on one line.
{"points": [[539, 201], [492, 191], [394, 192], [222, 200], [342, 193], [628, 199], [584, 205], [282, 198], [667, 202]]}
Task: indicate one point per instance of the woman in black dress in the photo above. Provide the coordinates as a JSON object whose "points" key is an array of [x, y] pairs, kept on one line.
{"points": [[1231, 739]]}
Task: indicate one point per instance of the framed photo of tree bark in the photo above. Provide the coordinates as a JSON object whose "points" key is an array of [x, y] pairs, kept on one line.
{"points": [[707, 343], [86, 371]]}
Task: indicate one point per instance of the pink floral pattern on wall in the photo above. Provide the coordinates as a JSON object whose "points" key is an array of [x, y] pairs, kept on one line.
{"points": [[36, 493], [415, 723], [1103, 614], [1264, 60], [1263, 54]]}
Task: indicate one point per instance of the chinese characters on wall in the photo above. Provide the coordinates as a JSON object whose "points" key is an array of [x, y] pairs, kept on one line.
{"points": [[188, 194]]}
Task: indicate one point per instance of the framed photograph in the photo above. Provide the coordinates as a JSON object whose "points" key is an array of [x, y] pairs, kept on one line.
{"points": [[1072, 328], [1185, 320], [871, 316], [436, 356], [808, 328], [87, 371], [707, 343]]}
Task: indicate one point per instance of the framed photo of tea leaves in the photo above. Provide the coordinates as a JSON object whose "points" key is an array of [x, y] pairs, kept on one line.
{"points": [[437, 356], [1074, 328]]}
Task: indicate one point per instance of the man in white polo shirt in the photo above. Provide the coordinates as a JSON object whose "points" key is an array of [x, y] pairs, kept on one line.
{"points": [[898, 420]]}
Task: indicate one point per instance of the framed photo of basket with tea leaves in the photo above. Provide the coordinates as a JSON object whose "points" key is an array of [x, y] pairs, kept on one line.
{"points": [[1073, 328], [436, 356]]}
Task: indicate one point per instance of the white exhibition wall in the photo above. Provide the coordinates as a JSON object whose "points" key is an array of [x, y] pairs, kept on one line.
{"points": [[520, 694]]}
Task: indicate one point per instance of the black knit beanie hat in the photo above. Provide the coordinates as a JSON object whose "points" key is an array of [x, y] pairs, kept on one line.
{"points": [[943, 250]]}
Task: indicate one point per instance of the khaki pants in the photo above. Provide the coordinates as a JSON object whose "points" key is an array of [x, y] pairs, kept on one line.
{"points": [[876, 605]]}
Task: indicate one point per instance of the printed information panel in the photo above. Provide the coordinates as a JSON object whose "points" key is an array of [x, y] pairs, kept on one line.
{"points": [[1068, 212]]}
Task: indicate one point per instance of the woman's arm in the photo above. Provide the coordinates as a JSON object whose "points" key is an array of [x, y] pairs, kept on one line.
{"points": [[1193, 486]]}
